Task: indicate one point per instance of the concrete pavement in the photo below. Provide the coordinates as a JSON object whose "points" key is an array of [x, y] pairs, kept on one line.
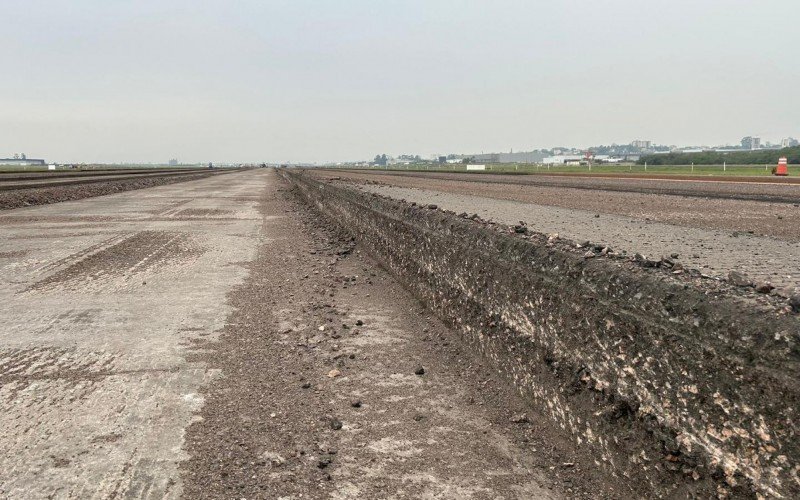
{"points": [[100, 302]]}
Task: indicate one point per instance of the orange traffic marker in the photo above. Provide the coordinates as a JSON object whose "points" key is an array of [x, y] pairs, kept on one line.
{"points": [[782, 168]]}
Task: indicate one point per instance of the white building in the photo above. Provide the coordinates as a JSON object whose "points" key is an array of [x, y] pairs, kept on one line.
{"points": [[21, 162], [563, 159]]}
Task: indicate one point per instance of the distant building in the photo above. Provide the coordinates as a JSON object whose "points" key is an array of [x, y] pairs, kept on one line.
{"points": [[641, 144], [563, 160], [21, 162], [487, 158], [751, 142], [520, 157], [789, 142]]}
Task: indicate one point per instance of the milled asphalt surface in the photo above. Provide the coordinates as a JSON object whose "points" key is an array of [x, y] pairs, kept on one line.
{"points": [[713, 250], [767, 188], [629, 197], [100, 301]]}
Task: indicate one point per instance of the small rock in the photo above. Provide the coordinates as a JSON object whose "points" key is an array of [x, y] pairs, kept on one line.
{"points": [[736, 278], [273, 458], [335, 424], [324, 462], [334, 373], [764, 287], [356, 403], [520, 419], [307, 385], [645, 261], [419, 418], [419, 370], [520, 229], [432, 206], [359, 323], [674, 255], [794, 302]]}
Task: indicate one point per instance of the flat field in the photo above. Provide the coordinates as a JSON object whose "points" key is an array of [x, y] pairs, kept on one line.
{"points": [[527, 168]]}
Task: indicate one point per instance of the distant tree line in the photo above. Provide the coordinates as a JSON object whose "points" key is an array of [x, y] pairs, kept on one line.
{"points": [[758, 157], [381, 160]]}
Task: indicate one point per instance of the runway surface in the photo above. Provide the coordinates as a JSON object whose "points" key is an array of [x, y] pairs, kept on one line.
{"points": [[101, 298], [214, 339]]}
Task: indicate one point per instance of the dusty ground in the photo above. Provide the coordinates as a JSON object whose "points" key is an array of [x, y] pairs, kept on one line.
{"points": [[321, 398], [222, 302], [713, 250], [715, 210]]}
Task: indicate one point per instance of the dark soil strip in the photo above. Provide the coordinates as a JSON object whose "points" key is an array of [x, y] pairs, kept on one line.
{"points": [[56, 194]]}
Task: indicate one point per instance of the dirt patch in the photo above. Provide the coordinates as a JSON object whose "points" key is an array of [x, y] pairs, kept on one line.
{"points": [[13, 254], [120, 256], [322, 394], [646, 370]]}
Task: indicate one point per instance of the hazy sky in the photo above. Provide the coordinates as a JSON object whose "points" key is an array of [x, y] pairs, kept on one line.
{"points": [[112, 80]]}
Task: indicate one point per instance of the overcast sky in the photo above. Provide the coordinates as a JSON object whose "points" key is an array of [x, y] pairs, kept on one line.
{"points": [[109, 80]]}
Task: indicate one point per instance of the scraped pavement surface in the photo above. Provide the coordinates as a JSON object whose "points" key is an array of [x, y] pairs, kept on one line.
{"points": [[214, 339], [99, 302]]}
